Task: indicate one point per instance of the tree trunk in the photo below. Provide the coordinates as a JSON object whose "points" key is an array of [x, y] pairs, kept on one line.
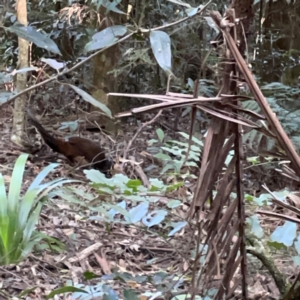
{"points": [[21, 78], [103, 82]]}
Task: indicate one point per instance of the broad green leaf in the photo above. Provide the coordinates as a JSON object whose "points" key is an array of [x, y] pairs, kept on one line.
{"points": [[157, 184], [176, 227], [276, 245], [191, 11], [175, 150], [112, 6], [134, 183], [161, 47], [72, 126], [105, 38], [175, 186], [30, 34], [167, 167], [255, 226], [119, 180], [163, 156], [194, 139], [174, 203], [53, 63], [263, 199], [138, 212], [285, 234], [113, 211], [154, 218], [119, 209], [91, 100]]}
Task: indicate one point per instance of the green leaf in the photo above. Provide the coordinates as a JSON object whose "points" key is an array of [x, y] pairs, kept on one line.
{"points": [[138, 212], [176, 227], [194, 139], [191, 11], [65, 289], [263, 199], [174, 150], [255, 226], [30, 34], [130, 295], [16, 181], [134, 183], [167, 167], [90, 275], [92, 100], [53, 63], [151, 142], [118, 209], [31, 223], [174, 203], [157, 184], [26, 205], [163, 156], [3, 199], [111, 295], [105, 38], [47, 187], [96, 176], [161, 47], [19, 217], [174, 187], [154, 218], [111, 6], [276, 245], [115, 209], [285, 234], [160, 134]]}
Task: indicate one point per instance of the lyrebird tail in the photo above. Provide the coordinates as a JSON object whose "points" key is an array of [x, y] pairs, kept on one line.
{"points": [[50, 140]]}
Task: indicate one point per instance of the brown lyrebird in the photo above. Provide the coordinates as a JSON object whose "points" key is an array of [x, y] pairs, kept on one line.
{"points": [[75, 148]]}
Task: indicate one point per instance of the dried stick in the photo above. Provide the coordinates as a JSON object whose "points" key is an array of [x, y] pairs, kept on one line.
{"points": [[138, 131]]}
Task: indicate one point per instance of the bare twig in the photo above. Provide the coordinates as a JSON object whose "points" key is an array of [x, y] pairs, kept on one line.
{"points": [[138, 169], [138, 131]]}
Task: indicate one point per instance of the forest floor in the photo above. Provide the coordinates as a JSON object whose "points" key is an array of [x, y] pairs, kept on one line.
{"points": [[95, 247]]}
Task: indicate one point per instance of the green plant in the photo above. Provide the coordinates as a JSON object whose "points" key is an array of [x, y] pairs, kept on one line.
{"points": [[163, 150], [19, 214], [128, 202]]}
